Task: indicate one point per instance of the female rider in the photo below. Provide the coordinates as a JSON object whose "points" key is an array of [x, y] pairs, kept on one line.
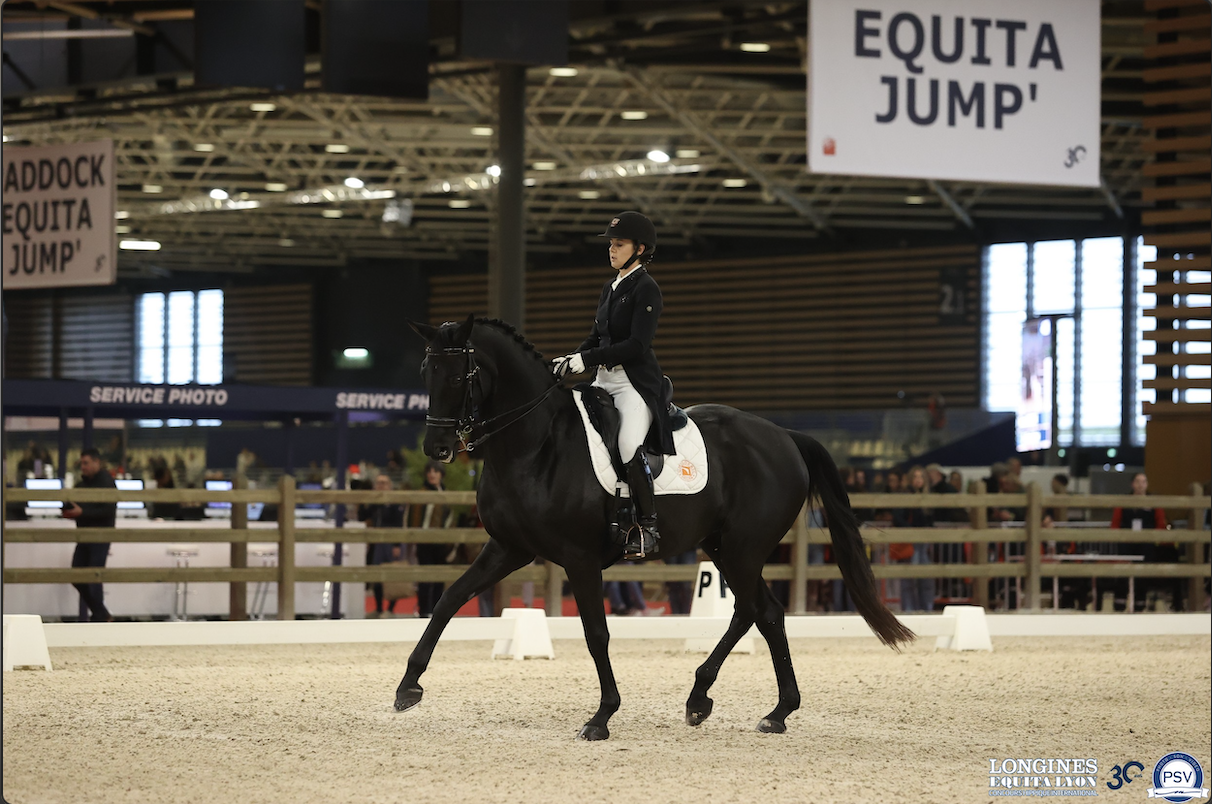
{"points": [[620, 345]]}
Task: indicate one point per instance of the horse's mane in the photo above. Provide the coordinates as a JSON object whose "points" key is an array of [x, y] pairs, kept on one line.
{"points": [[510, 331]]}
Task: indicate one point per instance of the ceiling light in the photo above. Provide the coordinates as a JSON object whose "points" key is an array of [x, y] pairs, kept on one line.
{"points": [[332, 213], [915, 199], [634, 114], [529, 182], [357, 353], [286, 242], [459, 203], [544, 165], [563, 72], [493, 170], [204, 147], [482, 131], [275, 187], [262, 107], [589, 195], [686, 153], [121, 214], [659, 156], [735, 182], [755, 47], [218, 195], [354, 183], [139, 245], [152, 188], [122, 229], [337, 148]]}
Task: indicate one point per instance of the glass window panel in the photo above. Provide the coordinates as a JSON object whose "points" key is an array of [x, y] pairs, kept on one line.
{"points": [[1197, 396], [151, 366], [210, 365], [1146, 274], [1053, 276], [1103, 273], [1003, 361], [1199, 348], [1006, 278], [150, 422], [210, 318], [181, 319], [1065, 344], [150, 348], [180, 365], [1102, 369], [1199, 372]]}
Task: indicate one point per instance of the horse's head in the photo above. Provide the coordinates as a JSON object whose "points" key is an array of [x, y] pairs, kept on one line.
{"points": [[449, 371]]}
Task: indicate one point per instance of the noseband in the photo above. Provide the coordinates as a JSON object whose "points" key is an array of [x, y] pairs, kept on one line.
{"points": [[468, 420]]}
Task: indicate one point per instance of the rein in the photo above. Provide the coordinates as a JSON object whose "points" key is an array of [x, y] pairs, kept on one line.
{"points": [[468, 420]]}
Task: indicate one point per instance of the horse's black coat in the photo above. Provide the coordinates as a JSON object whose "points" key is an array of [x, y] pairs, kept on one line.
{"points": [[538, 496]]}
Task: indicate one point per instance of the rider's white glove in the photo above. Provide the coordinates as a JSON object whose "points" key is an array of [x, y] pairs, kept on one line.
{"points": [[573, 363]]}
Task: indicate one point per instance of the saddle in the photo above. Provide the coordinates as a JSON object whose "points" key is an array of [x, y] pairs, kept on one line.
{"points": [[604, 417]]}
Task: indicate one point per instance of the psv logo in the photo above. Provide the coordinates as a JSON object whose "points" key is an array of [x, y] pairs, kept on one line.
{"points": [[688, 470]]}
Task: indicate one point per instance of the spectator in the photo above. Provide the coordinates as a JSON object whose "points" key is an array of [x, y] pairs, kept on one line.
{"points": [[163, 479], [1146, 518], [93, 515], [956, 479], [382, 515], [431, 515], [1054, 514], [917, 594], [937, 483], [681, 592]]}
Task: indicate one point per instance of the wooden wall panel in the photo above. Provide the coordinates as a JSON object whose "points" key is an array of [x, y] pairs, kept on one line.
{"points": [[790, 333], [29, 342], [84, 336], [267, 333]]}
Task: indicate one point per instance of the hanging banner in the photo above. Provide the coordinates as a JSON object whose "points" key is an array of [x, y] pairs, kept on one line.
{"points": [[59, 206], [963, 90]]}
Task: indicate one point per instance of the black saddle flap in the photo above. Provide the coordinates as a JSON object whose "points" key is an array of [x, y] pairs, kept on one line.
{"points": [[605, 419]]}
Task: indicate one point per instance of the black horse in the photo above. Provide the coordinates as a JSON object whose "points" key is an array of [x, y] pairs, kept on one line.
{"points": [[538, 496]]}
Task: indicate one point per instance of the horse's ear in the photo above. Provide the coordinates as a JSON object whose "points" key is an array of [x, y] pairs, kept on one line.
{"points": [[424, 330], [464, 331]]}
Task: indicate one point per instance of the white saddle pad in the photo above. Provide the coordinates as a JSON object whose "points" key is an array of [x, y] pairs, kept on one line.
{"points": [[683, 473]]}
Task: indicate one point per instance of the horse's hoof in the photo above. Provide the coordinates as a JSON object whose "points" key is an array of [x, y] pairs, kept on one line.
{"points": [[697, 713], [408, 698], [592, 733], [768, 726]]}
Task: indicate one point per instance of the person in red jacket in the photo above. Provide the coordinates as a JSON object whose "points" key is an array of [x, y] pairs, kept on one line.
{"points": [[1149, 518]]}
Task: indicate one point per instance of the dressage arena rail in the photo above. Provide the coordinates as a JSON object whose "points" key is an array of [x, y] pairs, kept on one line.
{"points": [[1032, 567]]}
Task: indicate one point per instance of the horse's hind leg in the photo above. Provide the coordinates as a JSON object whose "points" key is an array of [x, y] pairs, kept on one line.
{"points": [[493, 563], [698, 705], [770, 623]]}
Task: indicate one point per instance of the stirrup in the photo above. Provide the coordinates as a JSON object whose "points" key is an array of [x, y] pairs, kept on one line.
{"points": [[642, 542]]}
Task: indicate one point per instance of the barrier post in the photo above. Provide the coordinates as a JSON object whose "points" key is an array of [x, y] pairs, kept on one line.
{"points": [[238, 590], [799, 564], [552, 598], [1194, 554], [980, 550], [1032, 556], [286, 548]]}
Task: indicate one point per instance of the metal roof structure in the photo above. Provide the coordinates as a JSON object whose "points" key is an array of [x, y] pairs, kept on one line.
{"points": [[231, 179]]}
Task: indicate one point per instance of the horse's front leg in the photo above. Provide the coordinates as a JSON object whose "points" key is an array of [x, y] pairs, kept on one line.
{"points": [[586, 583], [493, 563]]}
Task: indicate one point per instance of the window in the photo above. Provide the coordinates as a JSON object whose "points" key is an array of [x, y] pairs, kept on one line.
{"points": [[1081, 284], [180, 337]]}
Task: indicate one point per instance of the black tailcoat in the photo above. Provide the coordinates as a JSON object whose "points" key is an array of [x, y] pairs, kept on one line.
{"points": [[622, 335]]}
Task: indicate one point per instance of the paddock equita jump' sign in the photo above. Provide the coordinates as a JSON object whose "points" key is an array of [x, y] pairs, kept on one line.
{"points": [[969, 90]]}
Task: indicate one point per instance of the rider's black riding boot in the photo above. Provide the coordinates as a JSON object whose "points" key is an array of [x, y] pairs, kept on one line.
{"points": [[624, 517], [642, 540]]}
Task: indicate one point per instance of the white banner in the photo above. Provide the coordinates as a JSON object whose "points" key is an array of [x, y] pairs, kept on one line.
{"points": [[966, 90], [59, 216]]}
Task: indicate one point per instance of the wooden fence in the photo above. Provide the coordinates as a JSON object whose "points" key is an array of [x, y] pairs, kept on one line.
{"points": [[1032, 569]]}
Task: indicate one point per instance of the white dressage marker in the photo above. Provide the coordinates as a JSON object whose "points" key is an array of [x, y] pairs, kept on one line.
{"points": [[530, 640], [971, 630], [713, 598], [25, 642]]}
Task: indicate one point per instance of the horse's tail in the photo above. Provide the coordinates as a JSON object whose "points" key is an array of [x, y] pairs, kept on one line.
{"points": [[825, 485]]}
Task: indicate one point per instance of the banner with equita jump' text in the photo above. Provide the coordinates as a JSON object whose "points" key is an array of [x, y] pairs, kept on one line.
{"points": [[962, 90], [59, 216]]}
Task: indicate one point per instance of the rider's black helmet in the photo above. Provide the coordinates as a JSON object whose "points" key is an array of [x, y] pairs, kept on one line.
{"points": [[633, 226]]}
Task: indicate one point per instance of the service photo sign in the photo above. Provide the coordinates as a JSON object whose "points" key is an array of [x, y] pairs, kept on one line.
{"points": [[59, 216], [962, 90]]}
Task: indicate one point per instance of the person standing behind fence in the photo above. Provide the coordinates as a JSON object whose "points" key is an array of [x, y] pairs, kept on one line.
{"points": [[93, 515], [382, 515], [1145, 518], [917, 594], [431, 515]]}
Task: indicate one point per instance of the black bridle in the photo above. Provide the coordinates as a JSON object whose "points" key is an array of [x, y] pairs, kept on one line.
{"points": [[468, 420]]}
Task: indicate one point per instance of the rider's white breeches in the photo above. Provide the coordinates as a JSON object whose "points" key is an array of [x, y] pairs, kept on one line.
{"points": [[635, 416]]}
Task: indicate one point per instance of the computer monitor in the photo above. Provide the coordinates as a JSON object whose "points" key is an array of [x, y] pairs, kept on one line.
{"points": [[310, 510], [129, 485], [218, 485], [44, 484]]}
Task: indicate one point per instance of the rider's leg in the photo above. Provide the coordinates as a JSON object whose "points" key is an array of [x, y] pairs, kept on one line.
{"points": [[639, 477], [634, 421]]}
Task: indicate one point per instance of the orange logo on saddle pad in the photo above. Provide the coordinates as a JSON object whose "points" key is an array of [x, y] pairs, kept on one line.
{"points": [[689, 472]]}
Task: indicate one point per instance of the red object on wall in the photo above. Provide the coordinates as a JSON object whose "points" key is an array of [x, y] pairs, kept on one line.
{"points": [[829, 147]]}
